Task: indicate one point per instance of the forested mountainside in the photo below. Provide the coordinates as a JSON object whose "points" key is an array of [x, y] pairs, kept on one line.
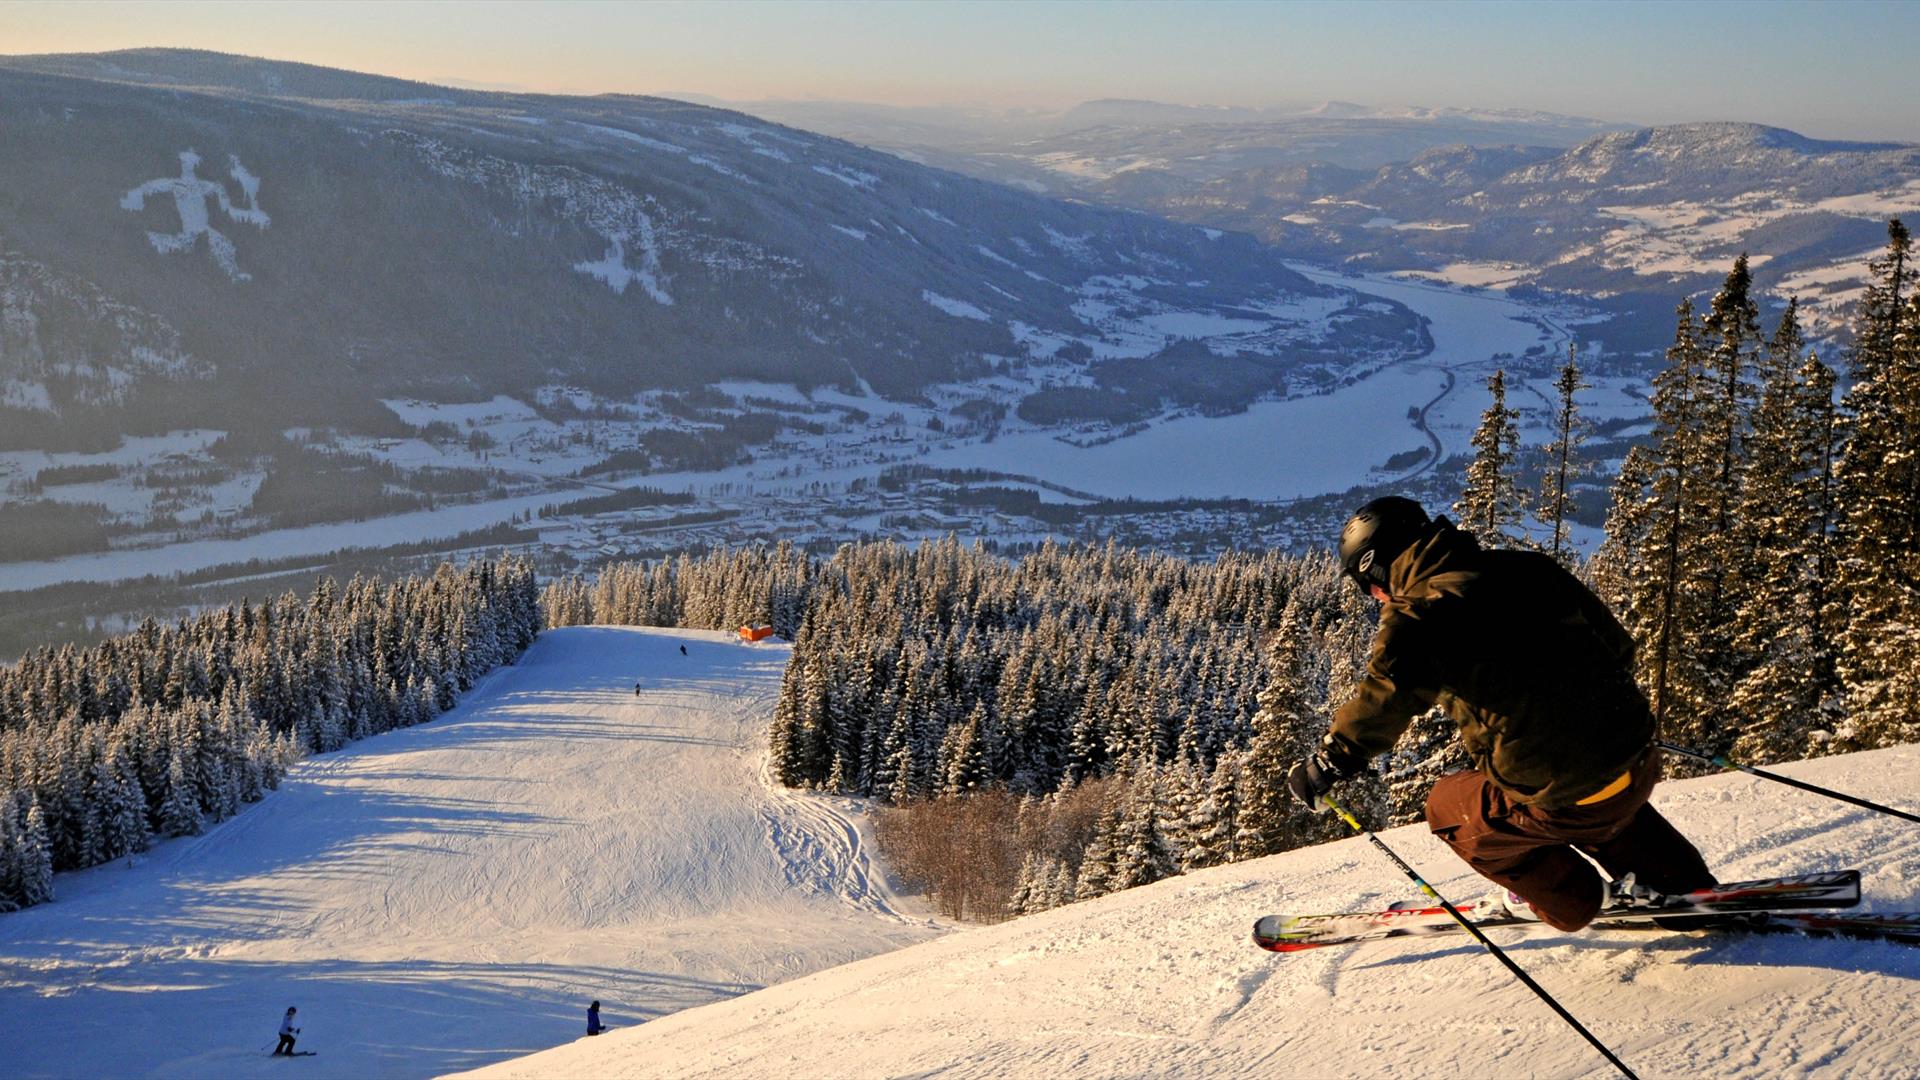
{"points": [[229, 239]]}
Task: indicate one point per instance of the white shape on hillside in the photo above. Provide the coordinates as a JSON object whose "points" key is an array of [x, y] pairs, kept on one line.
{"points": [[633, 137], [444, 896], [723, 170], [190, 195], [958, 308], [857, 234], [854, 178], [1163, 981], [995, 256], [612, 266]]}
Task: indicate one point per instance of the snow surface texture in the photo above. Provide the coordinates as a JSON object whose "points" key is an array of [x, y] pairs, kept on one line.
{"points": [[1163, 981], [455, 894]]}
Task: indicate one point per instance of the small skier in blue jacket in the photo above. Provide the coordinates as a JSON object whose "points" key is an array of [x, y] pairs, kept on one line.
{"points": [[594, 1027]]}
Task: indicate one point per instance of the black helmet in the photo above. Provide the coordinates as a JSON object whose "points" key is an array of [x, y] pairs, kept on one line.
{"points": [[1376, 535]]}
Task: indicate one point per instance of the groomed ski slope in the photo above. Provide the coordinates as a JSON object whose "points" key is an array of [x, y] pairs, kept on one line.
{"points": [[454, 894], [1162, 981]]}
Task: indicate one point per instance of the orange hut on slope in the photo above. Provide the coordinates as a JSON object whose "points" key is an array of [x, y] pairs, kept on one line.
{"points": [[755, 633]]}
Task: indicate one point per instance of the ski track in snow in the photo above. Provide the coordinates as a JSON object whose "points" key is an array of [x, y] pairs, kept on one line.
{"points": [[1163, 981], [454, 894]]}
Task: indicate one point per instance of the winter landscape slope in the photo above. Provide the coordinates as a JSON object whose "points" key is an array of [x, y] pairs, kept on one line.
{"points": [[445, 896], [298, 241], [1162, 980]]}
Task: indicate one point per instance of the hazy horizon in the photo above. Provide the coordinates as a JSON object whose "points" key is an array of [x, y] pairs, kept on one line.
{"points": [[1827, 70]]}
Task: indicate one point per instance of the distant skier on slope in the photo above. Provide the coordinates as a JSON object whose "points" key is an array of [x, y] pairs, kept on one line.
{"points": [[1539, 677], [287, 1032], [594, 1026]]}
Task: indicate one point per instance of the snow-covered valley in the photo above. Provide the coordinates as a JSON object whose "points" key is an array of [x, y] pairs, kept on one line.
{"points": [[1162, 980], [1302, 446], [450, 895]]}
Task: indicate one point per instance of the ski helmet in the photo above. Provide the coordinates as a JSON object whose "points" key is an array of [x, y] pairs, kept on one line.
{"points": [[1376, 535]]}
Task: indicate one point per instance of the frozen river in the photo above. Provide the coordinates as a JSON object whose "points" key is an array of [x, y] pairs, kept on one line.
{"points": [[1304, 446]]}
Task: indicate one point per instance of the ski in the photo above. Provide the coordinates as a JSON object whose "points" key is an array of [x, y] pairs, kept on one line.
{"points": [[1900, 926], [1292, 933]]}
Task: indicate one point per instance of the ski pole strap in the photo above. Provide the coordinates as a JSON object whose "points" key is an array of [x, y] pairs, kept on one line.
{"points": [[1468, 925], [1726, 763]]}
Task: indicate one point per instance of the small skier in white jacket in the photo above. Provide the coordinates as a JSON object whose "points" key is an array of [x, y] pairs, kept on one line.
{"points": [[287, 1032]]}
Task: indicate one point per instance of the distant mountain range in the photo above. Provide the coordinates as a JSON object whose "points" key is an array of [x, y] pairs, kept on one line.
{"points": [[220, 240], [1629, 217]]}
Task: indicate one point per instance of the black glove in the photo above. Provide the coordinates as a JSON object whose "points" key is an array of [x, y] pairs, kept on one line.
{"points": [[1316, 774]]}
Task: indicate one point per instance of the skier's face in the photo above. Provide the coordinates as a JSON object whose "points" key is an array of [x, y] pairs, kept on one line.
{"points": [[1378, 593]]}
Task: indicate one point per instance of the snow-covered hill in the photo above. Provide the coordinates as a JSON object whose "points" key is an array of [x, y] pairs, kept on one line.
{"points": [[1162, 981], [451, 895], [323, 238]]}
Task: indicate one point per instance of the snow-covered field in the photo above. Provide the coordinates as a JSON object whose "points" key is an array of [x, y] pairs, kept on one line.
{"points": [[1162, 981], [454, 894]]}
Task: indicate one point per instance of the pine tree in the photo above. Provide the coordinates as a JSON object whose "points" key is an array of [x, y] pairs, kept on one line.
{"points": [[1781, 631], [179, 812], [1286, 728], [1142, 854], [1878, 482], [1491, 506], [1664, 611], [35, 858], [1564, 465]]}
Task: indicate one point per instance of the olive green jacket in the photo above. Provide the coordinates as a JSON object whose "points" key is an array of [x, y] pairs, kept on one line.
{"points": [[1524, 658]]}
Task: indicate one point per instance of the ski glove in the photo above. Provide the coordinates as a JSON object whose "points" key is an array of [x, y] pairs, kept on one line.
{"points": [[1315, 775]]}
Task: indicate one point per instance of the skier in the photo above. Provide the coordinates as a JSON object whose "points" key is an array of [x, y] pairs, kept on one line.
{"points": [[636, 689], [683, 650], [594, 1027], [1538, 676], [287, 1032]]}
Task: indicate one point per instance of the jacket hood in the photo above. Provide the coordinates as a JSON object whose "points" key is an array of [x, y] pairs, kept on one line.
{"points": [[1443, 549]]}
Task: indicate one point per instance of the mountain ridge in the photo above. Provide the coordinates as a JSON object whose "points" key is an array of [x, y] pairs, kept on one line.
{"points": [[455, 243]]}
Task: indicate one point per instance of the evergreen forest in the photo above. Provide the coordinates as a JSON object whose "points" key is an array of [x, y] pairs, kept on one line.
{"points": [[158, 732]]}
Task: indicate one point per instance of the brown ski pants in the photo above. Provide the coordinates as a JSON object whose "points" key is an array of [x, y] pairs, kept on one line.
{"points": [[1531, 850]]}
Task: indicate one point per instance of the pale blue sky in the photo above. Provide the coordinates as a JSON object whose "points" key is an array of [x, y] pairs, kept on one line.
{"points": [[1836, 69]]}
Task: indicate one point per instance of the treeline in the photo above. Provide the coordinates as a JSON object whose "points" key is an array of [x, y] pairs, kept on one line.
{"points": [[1123, 715], [1765, 549], [720, 590], [161, 730]]}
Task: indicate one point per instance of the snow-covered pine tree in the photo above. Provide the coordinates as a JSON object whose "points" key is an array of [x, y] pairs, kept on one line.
{"points": [[35, 855], [1878, 480], [1722, 550], [1491, 506], [1098, 861], [1781, 636], [1142, 854], [1286, 727], [179, 811], [1213, 825], [1665, 610]]}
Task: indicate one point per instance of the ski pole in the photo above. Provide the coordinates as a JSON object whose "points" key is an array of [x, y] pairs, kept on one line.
{"points": [[1722, 761], [1468, 925]]}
